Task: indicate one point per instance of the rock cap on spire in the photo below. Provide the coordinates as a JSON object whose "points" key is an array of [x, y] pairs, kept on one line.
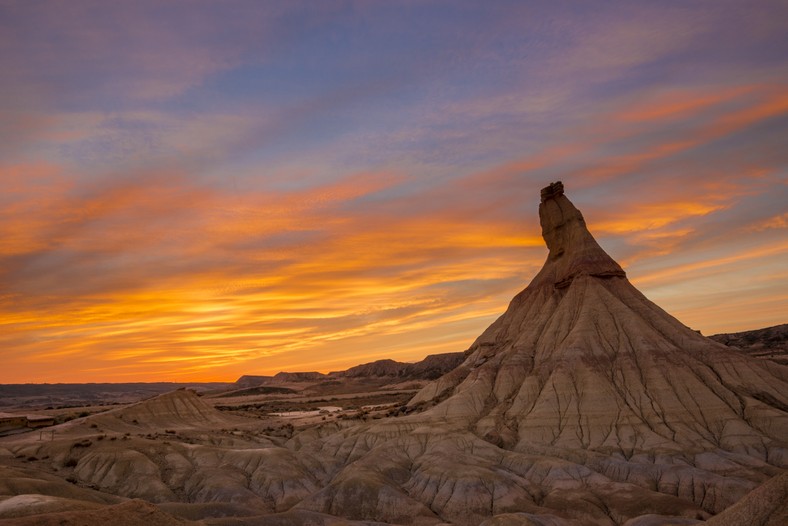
{"points": [[552, 191]]}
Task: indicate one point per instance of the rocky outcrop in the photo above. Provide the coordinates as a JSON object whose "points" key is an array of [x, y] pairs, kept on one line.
{"points": [[284, 377], [431, 367], [770, 343], [374, 369], [247, 381], [435, 366]]}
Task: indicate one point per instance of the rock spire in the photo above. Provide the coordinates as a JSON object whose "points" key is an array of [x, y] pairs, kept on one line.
{"points": [[573, 250]]}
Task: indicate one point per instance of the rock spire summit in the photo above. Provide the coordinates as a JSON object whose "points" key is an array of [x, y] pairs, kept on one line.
{"points": [[573, 250]]}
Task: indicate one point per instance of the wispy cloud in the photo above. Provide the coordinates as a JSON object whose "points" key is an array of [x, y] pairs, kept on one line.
{"points": [[206, 192], [165, 273]]}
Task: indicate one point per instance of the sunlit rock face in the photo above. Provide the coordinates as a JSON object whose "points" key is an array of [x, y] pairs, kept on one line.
{"points": [[583, 404]]}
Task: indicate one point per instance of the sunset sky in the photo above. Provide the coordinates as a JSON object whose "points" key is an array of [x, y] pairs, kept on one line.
{"points": [[192, 191]]}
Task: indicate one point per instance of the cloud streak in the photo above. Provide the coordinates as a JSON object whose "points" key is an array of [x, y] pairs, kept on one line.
{"points": [[270, 188]]}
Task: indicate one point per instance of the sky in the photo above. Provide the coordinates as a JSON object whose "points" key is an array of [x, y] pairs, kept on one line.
{"points": [[198, 190]]}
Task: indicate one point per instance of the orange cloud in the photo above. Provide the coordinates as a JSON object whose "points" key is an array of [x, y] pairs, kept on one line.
{"points": [[158, 277], [653, 216], [640, 149], [774, 222], [677, 272], [255, 283], [679, 104], [220, 307]]}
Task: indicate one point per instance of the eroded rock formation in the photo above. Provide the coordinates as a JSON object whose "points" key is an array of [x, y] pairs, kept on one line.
{"points": [[583, 404], [585, 401]]}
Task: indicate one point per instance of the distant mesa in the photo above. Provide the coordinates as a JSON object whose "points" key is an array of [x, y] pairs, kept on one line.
{"points": [[297, 377], [770, 343], [430, 368], [252, 381], [374, 369]]}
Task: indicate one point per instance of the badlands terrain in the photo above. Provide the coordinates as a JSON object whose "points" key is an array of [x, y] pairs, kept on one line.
{"points": [[583, 404]]}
